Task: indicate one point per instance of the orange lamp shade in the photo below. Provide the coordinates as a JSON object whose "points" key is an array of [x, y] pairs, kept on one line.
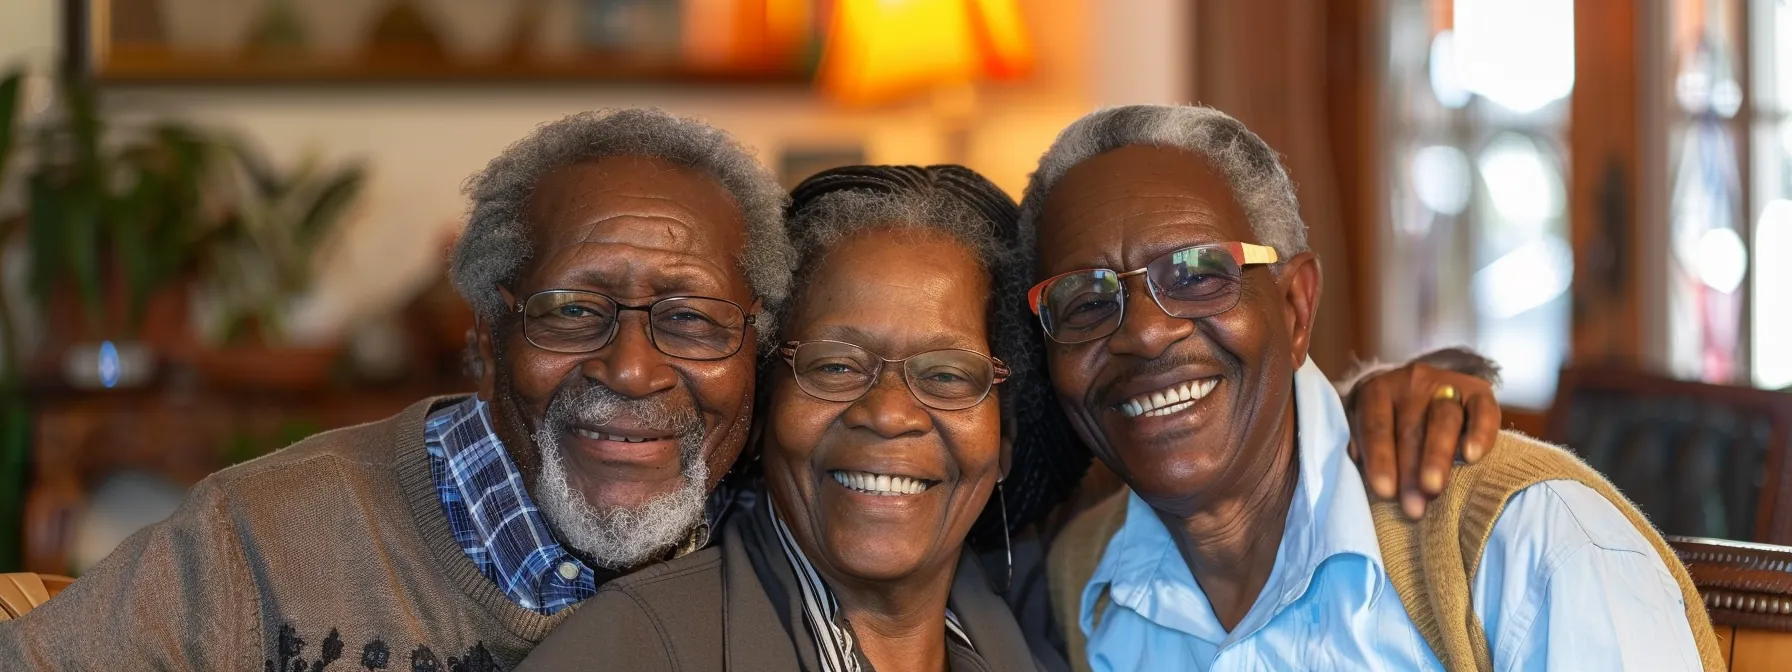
{"points": [[879, 51]]}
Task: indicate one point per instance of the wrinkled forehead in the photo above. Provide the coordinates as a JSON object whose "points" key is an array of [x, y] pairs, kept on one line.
{"points": [[1122, 208], [603, 200], [637, 221]]}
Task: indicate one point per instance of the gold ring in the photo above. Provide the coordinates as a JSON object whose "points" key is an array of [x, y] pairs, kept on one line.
{"points": [[1446, 392]]}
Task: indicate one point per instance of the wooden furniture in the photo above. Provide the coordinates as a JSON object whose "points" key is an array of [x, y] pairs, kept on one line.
{"points": [[1700, 460], [1747, 588], [22, 592]]}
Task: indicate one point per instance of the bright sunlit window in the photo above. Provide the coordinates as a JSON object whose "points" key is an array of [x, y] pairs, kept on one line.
{"points": [[1730, 224], [1478, 242], [1772, 359]]}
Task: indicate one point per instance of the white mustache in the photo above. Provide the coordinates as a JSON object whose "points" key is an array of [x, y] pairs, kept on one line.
{"points": [[596, 405]]}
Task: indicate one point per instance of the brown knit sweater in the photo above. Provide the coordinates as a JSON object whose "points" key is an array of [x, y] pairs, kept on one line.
{"points": [[1431, 563], [333, 554]]}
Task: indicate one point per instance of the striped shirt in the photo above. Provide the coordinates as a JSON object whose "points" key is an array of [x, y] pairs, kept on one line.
{"points": [[834, 645]]}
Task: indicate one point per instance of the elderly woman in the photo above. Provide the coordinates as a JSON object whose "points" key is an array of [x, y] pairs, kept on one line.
{"points": [[882, 447], [905, 413]]}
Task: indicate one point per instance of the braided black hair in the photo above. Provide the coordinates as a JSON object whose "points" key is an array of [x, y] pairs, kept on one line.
{"points": [[1049, 460]]}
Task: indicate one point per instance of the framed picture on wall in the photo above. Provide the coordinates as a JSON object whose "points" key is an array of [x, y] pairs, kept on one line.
{"points": [[249, 41]]}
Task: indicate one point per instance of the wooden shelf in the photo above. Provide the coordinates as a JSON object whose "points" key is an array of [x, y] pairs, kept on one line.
{"points": [[154, 66]]}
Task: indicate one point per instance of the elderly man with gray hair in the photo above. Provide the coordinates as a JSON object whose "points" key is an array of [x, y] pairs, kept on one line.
{"points": [[1246, 541], [625, 268]]}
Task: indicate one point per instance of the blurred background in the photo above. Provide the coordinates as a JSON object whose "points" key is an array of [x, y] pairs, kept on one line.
{"points": [[223, 224]]}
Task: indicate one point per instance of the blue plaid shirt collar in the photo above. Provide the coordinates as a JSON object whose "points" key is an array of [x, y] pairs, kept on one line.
{"points": [[497, 525], [492, 516]]}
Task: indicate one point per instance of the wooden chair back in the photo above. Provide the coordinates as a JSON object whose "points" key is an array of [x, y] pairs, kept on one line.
{"points": [[24, 591], [1700, 460], [1747, 589]]}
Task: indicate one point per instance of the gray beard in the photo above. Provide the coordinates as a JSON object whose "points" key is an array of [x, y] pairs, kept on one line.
{"points": [[621, 537]]}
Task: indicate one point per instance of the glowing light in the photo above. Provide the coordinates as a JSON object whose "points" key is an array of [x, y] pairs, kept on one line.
{"points": [[1517, 53], [1773, 295], [1722, 259], [1440, 178], [108, 364], [1525, 278], [1446, 84], [879, 51], [1523, 184]]}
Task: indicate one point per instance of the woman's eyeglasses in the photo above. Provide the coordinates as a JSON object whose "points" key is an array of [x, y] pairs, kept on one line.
{"points": [[1192, 282], [687, 327], [949, 380]]}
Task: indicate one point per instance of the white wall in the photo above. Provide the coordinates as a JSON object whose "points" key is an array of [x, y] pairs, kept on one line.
{"points": [[422, 142], [1141, 51]]}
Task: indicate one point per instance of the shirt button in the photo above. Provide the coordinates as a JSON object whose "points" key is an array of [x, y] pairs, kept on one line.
{"points": [[568, 570]]}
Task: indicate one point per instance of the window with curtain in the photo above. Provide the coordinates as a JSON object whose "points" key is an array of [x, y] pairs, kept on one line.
{"points": [[1729, 292], [1476, 250]]}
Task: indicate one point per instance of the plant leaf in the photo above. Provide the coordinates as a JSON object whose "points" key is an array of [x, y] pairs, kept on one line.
{"points": [[131, 249], [331, 202], [46, 234], [83, 251], [84, 126], [9, 339], [9, 105], [267, 181]]}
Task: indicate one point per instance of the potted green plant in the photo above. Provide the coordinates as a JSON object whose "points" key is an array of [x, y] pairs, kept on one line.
{"points": [[261, 259], [111, 217]]}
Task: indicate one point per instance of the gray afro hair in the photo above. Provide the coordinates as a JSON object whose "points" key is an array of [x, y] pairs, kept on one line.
{"points": [[496, 246], [1253, 170]]}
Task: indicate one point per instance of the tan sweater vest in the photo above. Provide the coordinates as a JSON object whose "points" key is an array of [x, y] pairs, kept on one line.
{"points": [[1431, 562]]}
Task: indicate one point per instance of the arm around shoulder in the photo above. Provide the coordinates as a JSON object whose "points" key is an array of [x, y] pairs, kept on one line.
{"points": [[614, 630], [175, 595]]}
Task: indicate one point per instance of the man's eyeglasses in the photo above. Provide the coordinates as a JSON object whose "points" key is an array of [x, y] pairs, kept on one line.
{"points": [[1192, 282], [949, 380], [687, 327]]}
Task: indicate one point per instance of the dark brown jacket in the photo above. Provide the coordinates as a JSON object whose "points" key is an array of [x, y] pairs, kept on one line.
{"points": [[735, 606]]}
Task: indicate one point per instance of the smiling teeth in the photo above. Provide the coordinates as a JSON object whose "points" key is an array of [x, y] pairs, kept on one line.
{"points": [[612, 437], [880, 484], [1168, 400]]}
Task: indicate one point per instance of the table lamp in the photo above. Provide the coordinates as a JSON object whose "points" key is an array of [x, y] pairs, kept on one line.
{"points": [[880, 52]]}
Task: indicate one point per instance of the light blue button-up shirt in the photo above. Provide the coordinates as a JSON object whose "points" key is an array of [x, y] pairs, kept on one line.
{"points": [[1565, 583]]}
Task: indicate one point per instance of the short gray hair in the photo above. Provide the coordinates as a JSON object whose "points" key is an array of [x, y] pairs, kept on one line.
{"points": [[1254, 171], [954, 201], [496, 245], [826, 221]]}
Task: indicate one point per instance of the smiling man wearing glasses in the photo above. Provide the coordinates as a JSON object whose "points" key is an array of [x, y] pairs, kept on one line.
{"points": [[1177, 295], [625, 268]]}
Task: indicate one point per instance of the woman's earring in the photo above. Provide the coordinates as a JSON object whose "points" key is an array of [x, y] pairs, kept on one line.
{"points": [[1007, 544]]}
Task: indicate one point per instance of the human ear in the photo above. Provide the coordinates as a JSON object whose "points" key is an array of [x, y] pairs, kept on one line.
{"points": [[484, 331], [1300, 283]]}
